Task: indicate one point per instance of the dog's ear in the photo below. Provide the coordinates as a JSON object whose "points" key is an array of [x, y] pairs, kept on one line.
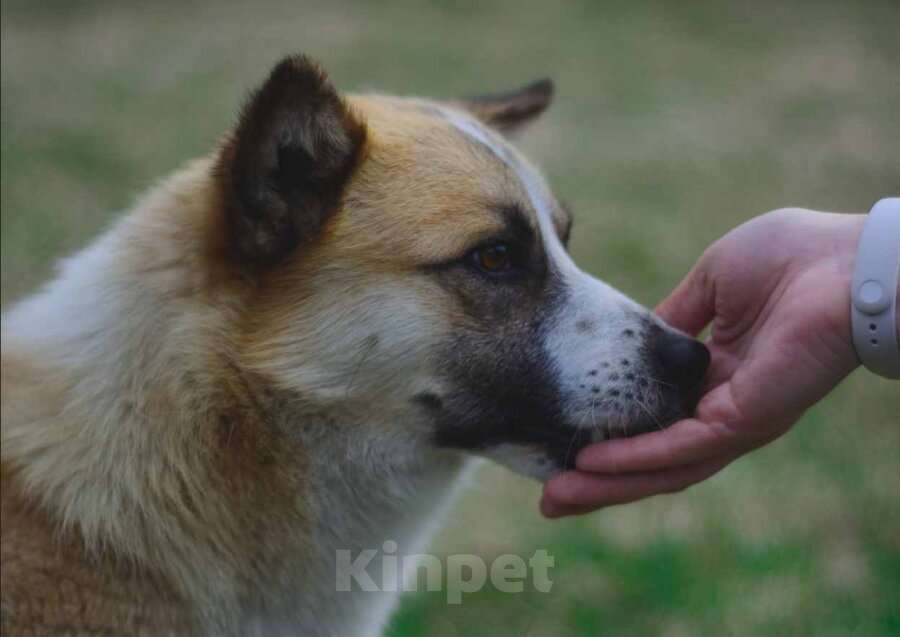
{"points": [[508, 112], [285, 166]]}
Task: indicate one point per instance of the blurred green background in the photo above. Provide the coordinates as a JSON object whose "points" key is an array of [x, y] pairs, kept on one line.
{"points": [[673, 123]]}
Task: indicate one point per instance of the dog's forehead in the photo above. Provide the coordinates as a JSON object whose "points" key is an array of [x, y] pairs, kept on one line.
{"points": [[437, 169], [542, 205]]}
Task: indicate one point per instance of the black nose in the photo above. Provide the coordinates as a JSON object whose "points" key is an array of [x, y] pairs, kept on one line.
{"points": [[684, 360]]}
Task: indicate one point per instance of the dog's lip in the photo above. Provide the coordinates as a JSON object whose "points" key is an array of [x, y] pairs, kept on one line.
{"points": [[634, 428], [578, 443]]}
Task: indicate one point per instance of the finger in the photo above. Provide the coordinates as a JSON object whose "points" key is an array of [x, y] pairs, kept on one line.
{"points": [[690, 306], [684, 443], [551, 509], [713, 432], [576, 492], [722, 366]]}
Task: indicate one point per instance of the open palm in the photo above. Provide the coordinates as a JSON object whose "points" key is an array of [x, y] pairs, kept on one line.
{"points": [[776, 292]]}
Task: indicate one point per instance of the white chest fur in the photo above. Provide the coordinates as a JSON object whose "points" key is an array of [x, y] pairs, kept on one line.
{"points": [[366, 491]]}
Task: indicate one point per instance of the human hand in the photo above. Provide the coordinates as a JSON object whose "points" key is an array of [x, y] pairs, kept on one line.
{"points": [[777, 292]]}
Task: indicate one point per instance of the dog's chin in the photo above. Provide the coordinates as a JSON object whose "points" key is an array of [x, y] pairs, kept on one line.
{"points": [[632, 428], [541, 460], [544, 459]]}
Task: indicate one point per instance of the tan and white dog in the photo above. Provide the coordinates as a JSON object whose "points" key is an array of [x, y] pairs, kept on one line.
{"points": [[295, 346]]}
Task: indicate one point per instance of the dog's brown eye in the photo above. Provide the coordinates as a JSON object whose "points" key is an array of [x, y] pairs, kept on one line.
{"points": [[494, 258]]}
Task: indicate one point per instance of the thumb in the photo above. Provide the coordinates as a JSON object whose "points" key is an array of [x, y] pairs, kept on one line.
{"points": [[691, 305]]}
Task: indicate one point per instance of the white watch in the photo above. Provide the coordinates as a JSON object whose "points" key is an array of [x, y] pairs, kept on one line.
{"points": [[875, 289]]}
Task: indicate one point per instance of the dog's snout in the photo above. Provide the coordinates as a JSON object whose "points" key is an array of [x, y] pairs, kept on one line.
{"points": [[684, 360]]}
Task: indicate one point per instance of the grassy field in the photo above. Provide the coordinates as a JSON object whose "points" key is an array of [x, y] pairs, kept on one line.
{"points": [[674, 122]]}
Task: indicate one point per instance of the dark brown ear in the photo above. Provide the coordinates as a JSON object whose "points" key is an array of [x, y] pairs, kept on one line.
{"points": [[285, 166], [507, 112]]}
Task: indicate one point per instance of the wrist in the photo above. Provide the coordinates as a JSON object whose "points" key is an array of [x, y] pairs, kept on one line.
{"points": [[840, 245]]}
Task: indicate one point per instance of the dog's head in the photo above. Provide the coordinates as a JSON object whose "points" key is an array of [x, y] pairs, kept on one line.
{"points": [[410, 269]]}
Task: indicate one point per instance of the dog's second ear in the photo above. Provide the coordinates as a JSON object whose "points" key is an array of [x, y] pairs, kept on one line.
{"points": [[508, 112], [285, 166]]}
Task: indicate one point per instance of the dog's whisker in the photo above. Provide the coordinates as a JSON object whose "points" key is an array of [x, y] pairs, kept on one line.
{"points": [[647, 411], [655, 380]]}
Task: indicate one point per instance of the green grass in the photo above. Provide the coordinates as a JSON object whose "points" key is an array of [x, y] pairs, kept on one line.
{"points": [[674, 122]]}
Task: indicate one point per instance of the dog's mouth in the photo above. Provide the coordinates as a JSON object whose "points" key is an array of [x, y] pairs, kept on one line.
{"points": [[528, 443], [570, 441]]}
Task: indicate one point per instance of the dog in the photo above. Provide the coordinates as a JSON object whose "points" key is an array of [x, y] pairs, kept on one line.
{"points": [[297, 345]]}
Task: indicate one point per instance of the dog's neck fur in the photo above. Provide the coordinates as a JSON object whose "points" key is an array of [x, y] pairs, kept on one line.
{"points": [[115, 453]]}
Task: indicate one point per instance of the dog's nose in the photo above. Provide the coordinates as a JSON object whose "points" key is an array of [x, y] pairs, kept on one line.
{"points": [[684, 360]]}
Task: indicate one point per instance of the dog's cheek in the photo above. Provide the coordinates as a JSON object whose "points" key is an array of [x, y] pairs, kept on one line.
{"points": [[365, 348]]}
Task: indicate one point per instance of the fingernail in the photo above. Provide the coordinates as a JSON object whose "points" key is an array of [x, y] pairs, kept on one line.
{"points": [[559, 489], [548, 509]]}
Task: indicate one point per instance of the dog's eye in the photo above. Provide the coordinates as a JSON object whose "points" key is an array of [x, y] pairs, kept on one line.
{"points": [[494, 259]]}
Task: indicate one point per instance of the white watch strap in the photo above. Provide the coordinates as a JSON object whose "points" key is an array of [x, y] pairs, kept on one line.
{"points": [[875, 290]]}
